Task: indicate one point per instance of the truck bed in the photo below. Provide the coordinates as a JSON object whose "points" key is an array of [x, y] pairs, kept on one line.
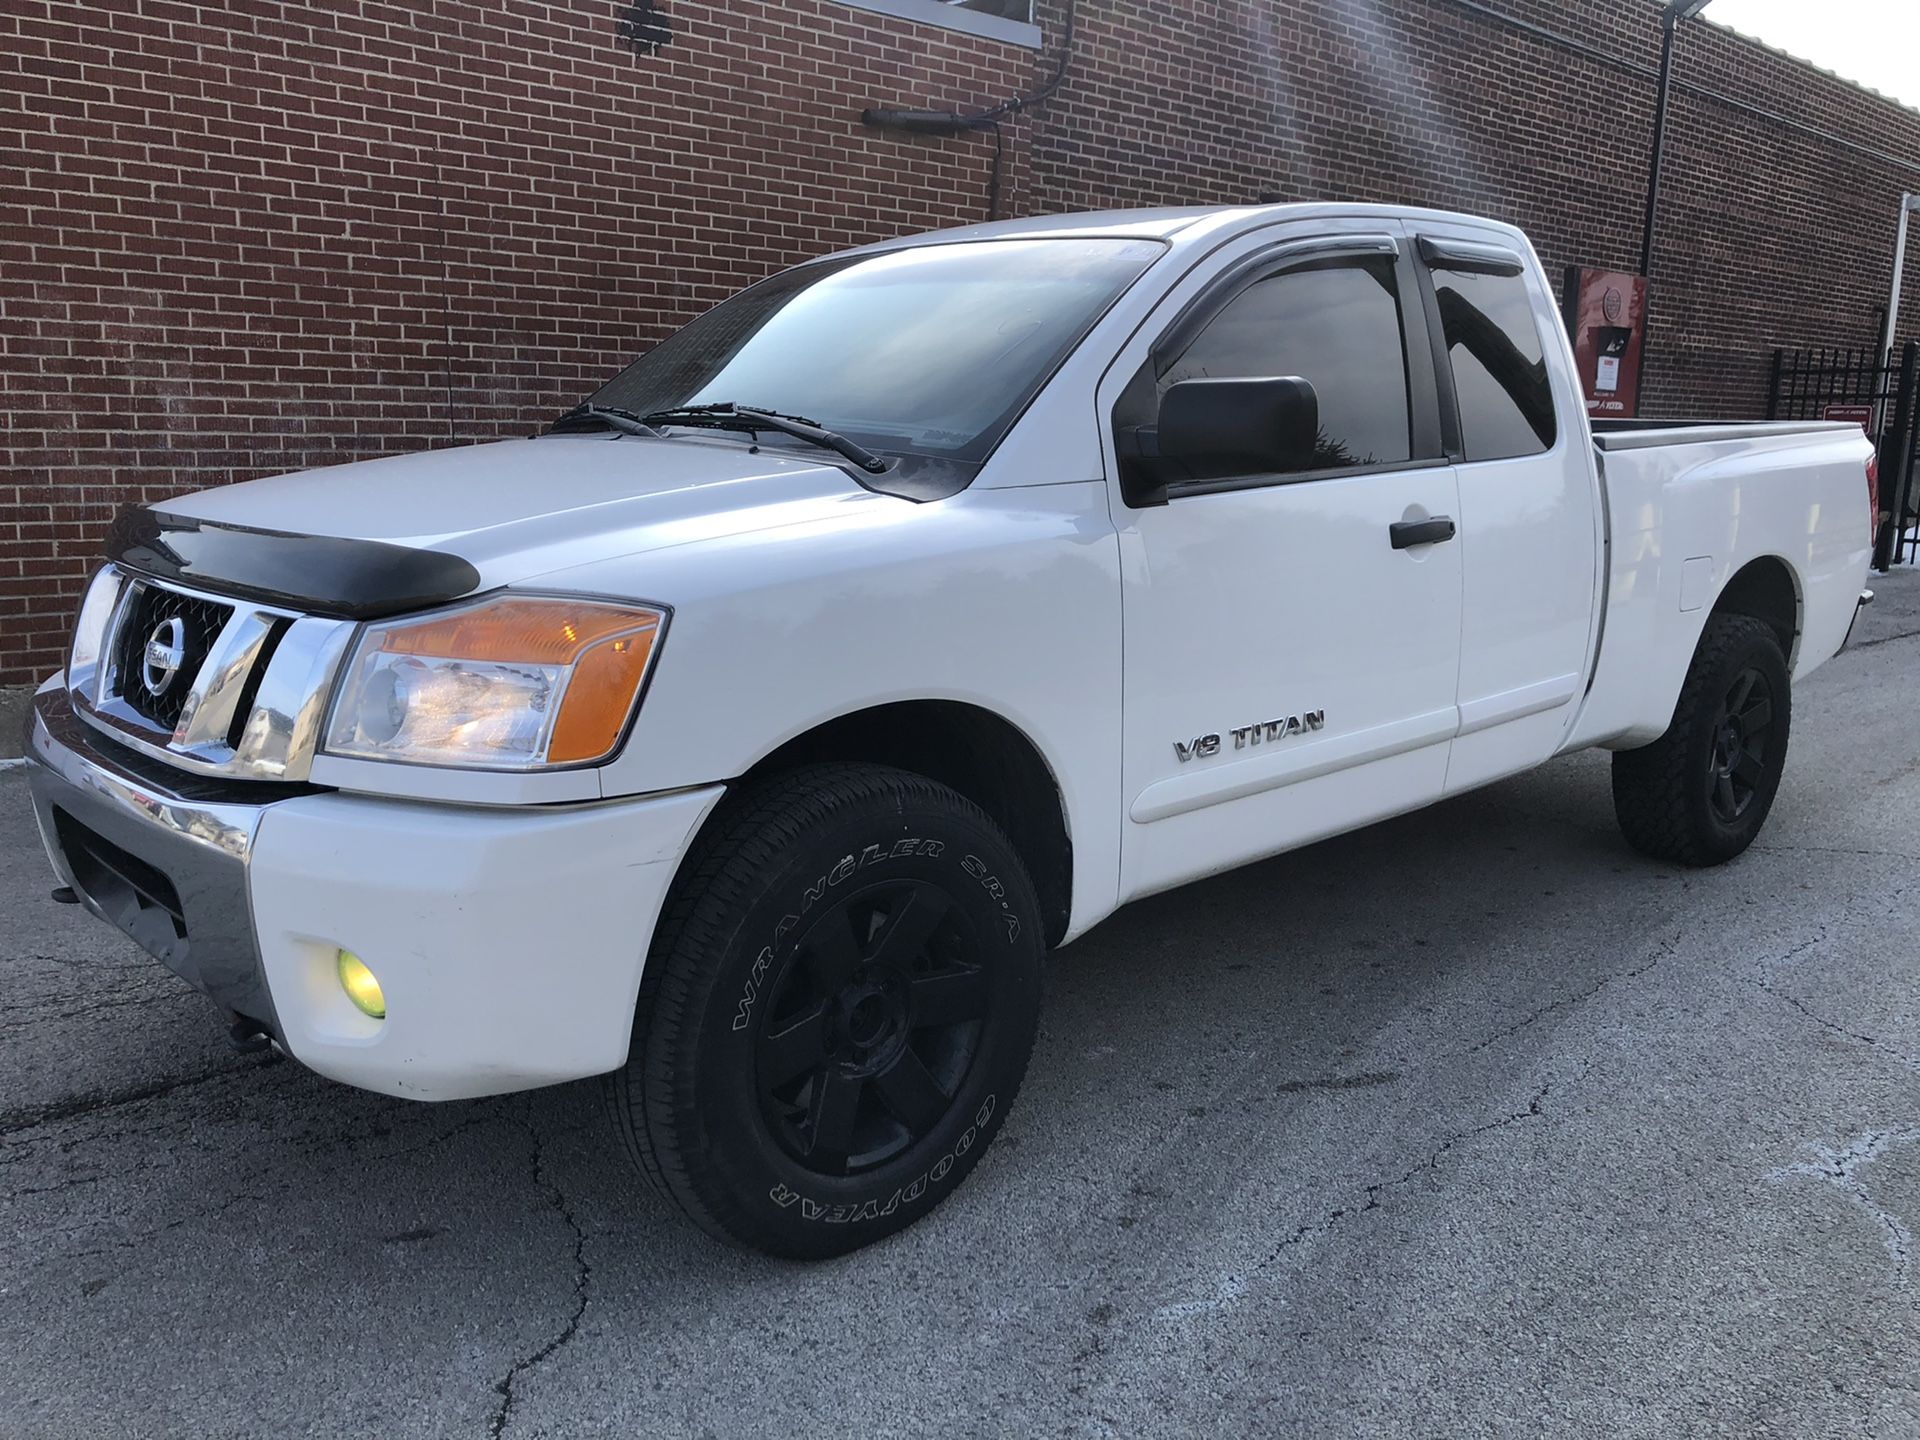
{"points": [[1613, 435], [1687, 504]]}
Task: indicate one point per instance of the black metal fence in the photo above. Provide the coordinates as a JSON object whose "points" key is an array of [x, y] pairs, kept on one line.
{"points": [[1881, 392]]}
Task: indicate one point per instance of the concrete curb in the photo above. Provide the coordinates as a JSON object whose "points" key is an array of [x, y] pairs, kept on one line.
{"points": [[13, 718]]}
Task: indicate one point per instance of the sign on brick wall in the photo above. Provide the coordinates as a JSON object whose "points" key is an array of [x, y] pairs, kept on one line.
{"points": [[1606, 316]]}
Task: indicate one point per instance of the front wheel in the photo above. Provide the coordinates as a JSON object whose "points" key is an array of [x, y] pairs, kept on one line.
{"points": [[1700, 793], [838, 1009]]}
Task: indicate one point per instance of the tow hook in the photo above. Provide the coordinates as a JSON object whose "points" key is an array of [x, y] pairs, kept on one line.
{"points": [[1866, 599], [250, 1037]]}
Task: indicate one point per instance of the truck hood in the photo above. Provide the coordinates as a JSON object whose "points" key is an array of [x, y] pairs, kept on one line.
{"points": [[520, 508]]}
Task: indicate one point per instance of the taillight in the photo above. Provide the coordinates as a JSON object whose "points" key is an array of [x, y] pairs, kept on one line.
{"points": [[1873, 497]]}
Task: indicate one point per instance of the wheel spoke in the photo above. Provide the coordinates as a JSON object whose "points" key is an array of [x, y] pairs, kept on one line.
{"points": [[914, 919], [836, 1105], [1742, 688], [833, 954], [947, 999], [1757, 716], [1723, 796], [1748, 769], [794, 1049], [909, 1090]]}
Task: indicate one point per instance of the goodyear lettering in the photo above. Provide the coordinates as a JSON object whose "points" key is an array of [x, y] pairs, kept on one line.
{"points": [[907, 1194]]}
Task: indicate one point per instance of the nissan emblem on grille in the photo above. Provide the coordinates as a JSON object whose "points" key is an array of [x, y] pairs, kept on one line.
{"points": [[166, 651]]}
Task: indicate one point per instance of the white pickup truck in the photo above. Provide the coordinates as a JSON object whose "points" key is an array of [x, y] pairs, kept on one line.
{"points": [[753, 761]]}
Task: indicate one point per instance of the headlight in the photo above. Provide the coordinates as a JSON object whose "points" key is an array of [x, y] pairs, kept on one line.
{"points": [[512, 683]]}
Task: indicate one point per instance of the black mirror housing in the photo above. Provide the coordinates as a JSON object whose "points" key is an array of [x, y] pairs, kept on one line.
{"points": [[1216, 429], [1220, 430]]}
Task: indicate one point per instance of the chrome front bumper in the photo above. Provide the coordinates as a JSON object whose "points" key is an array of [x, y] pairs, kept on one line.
{"points": [[161, 858], [508, 940]]}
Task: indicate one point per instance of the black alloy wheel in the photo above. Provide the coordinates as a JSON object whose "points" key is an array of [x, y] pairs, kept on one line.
{"points": [[1741, 730], [870, 1028]]}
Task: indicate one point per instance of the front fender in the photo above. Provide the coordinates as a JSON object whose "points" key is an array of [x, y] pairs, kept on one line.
{"points": [[1008, 600]]}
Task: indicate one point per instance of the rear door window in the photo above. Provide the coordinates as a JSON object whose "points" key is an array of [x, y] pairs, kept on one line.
{"points": [[1499, 365]]}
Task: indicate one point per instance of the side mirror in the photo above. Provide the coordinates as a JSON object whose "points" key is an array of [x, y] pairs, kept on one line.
{"points": [[1219, 430]]}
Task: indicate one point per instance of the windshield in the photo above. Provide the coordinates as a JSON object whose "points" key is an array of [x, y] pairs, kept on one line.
{"points": [[929, 351]]}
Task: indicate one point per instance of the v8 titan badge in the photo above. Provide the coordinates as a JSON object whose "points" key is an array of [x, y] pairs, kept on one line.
{"points": [[1203, 747]]}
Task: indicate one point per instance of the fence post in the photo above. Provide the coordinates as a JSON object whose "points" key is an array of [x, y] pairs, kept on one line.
{"points": [[1896, 454]]}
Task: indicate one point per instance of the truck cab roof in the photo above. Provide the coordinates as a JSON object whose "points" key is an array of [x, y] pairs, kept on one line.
{"points": [[1187, 224]]}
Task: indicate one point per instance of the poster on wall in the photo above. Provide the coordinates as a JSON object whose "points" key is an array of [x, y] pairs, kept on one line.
{"points": [[1606, 316]]}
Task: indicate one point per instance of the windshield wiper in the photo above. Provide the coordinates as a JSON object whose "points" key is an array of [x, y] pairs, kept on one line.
{"points": [[625, 421], [728, 416]]}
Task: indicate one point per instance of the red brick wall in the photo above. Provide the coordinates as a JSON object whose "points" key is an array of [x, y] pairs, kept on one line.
{"points": [[241, 240], [248, 239], [1767, 236]]}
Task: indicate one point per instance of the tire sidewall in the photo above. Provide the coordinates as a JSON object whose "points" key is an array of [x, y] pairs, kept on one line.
{"points": [[762, 1193]]}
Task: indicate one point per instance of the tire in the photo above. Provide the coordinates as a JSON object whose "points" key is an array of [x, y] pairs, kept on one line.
{"points": [[1700, 793], [837, 1010]]}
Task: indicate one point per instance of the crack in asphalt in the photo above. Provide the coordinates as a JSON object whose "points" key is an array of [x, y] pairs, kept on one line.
{"points": [[30, 1117], [1763, 979], [582, 1275], [1567, 1002], [141, 1240], [72, 1182], [36, 1012], [1302, 1233], [141, 961], [1841, 1169], [1365, 1081], [439, 1137], [1831, 850], [262, 1187], [1231, 1288], [1896, 1056]]}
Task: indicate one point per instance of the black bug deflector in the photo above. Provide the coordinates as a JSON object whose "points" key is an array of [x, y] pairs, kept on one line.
{"points": [[317, 574]]}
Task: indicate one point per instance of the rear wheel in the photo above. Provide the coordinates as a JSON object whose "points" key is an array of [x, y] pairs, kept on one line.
{"points": [[1700, 793], [838, 1009]]}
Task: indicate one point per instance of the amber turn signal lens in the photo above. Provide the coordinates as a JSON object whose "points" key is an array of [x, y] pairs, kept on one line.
{"points": [[599, 697], [517, 631]]}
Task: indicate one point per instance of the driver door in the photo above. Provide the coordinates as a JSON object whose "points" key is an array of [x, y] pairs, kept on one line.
{"points": [[1292, 638]]}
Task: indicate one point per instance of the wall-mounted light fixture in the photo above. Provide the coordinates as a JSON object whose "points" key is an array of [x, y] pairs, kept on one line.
{"points": [[954, 122]]}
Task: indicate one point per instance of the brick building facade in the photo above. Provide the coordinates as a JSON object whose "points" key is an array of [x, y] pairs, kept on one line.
{"points": [[241, 240]]}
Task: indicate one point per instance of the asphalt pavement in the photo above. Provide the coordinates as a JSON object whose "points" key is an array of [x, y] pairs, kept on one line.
{"points": [[1471, 1123]]}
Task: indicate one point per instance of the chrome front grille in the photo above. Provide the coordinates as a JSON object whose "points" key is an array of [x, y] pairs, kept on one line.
{"points": [[206, 682], [179, 631]]}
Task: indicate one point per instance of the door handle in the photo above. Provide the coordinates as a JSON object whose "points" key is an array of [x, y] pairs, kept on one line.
{"points": [[1405, 534]]}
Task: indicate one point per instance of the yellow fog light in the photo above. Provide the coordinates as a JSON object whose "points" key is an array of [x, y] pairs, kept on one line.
{"points": [[357, 980]]}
